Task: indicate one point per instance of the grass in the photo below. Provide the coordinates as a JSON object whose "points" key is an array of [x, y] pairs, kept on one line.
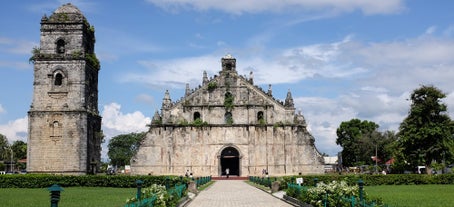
{"points": [[203, 187], [413, 195], [262, 187], [70, 197]]}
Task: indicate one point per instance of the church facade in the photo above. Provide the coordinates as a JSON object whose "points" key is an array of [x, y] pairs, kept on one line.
{"points": [[64, 122], [227, 123]]}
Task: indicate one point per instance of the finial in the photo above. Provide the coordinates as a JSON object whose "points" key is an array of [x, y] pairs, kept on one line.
{"points": [[188, 91], [289, 100], [205, 77], [270, 91]]}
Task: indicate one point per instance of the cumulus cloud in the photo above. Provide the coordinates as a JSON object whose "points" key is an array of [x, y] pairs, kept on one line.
{"points": [[114, 119], [15, 130], [115, 122], [365, 80], [257, 6]]}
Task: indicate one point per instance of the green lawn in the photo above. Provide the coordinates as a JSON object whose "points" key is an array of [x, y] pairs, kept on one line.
{"points": [[414, 195], [70, 197]]}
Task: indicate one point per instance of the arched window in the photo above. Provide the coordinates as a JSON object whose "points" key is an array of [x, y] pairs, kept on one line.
{"points": [[228, 118], [56, 130], [58, 79], [60, 46], [228, 101], [197, 116], [260, 116], [228, 66]]}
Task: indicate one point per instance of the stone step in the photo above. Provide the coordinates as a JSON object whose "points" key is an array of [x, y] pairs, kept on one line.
{"points": [[230, 178]]}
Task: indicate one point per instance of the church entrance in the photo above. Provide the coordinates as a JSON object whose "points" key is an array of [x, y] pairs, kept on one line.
{"points": [[230, 158]]}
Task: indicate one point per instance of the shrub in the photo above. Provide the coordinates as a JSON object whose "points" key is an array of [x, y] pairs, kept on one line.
{"points": [[371, 180], [117, 181]]}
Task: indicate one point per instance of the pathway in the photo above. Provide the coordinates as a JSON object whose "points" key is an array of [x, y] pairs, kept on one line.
{"points": [[229, 193]]}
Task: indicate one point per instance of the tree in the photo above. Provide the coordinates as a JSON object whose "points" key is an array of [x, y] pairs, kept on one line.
{"points": [[123, 147], [3, 146], [19, 149], [426, 134], [355, 138]]}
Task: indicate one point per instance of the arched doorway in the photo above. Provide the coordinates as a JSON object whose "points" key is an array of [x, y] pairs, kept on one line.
{"points": [[230, 158]]}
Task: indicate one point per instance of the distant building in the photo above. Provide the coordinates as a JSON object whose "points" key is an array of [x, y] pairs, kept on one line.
{"points": [[64, 122], [331, 164], [227, 123]]}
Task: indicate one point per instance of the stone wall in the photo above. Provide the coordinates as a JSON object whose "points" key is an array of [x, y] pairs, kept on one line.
{"points": [[283, 150]]}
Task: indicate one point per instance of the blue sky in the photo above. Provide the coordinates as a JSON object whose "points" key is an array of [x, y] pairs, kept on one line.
{"points": [[341, 59]]}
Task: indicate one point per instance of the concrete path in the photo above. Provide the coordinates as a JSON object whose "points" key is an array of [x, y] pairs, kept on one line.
{"points": [[235, 193]]}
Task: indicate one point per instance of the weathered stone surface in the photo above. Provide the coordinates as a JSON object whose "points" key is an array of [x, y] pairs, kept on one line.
{"points": [[227, 123], [64, 122]]}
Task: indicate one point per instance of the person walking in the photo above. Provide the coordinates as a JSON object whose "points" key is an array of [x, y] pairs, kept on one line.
{"points": [[227, 172]]}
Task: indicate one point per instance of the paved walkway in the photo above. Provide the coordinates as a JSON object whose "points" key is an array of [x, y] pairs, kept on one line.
{"points": [[235, 193]]}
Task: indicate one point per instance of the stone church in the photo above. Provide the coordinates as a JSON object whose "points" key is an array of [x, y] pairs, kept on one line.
{"points": [[64, 122], [227, 123]]}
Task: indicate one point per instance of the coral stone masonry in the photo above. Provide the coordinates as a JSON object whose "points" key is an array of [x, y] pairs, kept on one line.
{"points": [[64, 122], [227, 123]]}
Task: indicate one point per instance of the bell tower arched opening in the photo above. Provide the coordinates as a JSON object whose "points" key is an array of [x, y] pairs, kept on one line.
{"points": [[230, 159]]}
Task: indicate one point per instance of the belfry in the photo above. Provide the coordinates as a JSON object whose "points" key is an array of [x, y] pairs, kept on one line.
{"points": [[64, 123]]}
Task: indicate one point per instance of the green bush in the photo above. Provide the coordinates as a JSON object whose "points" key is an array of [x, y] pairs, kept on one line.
{"points": [[372, 180], [117, 181]]}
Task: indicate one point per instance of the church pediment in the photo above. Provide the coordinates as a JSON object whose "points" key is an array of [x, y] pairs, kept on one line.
{"points": [[228, 95]]}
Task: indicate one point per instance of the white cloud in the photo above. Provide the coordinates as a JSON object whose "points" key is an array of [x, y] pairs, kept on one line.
{"points": [[372, 81], [145, 98], [256, 6], [115, 122], [16, 46], [287, 66], [15, 130], [2, 110], [175, 73]]}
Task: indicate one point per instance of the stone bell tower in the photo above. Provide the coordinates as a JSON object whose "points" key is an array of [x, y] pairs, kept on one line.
{"points": [[64, 122]]}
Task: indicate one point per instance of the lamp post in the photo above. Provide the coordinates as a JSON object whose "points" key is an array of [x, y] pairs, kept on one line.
{"points": [[376, 159], [11, 162]]}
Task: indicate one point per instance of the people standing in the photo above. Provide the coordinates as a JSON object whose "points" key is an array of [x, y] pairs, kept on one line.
{"points": [[227, 172]]}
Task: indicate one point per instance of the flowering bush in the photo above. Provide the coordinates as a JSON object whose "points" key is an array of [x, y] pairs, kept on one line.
{"points": [[163, 198], [332, 193]]}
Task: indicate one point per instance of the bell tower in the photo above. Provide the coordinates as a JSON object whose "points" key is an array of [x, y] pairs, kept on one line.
{"points": [[64, 122]]}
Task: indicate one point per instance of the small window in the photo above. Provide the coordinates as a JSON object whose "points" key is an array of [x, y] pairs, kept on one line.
{"points": [[228, 118], [196, 116], [260, 116], [58, 79], [228, 66], [60, 46], [56, 130]]}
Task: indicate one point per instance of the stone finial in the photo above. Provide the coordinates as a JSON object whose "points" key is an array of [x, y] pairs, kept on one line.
{"points": [[251, 78], [156, 118], [270, 90], [205, 77], [289, 100], [188, 91], [166, 101]]}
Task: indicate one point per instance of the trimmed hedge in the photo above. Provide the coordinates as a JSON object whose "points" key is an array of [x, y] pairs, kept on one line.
{"points": [[116, 181], [371, 180]]}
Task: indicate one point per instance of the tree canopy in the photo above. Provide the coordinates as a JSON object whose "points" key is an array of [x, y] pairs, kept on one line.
{"points": [[426, 134], [123, 147], [360, 141], [3, 146]]}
